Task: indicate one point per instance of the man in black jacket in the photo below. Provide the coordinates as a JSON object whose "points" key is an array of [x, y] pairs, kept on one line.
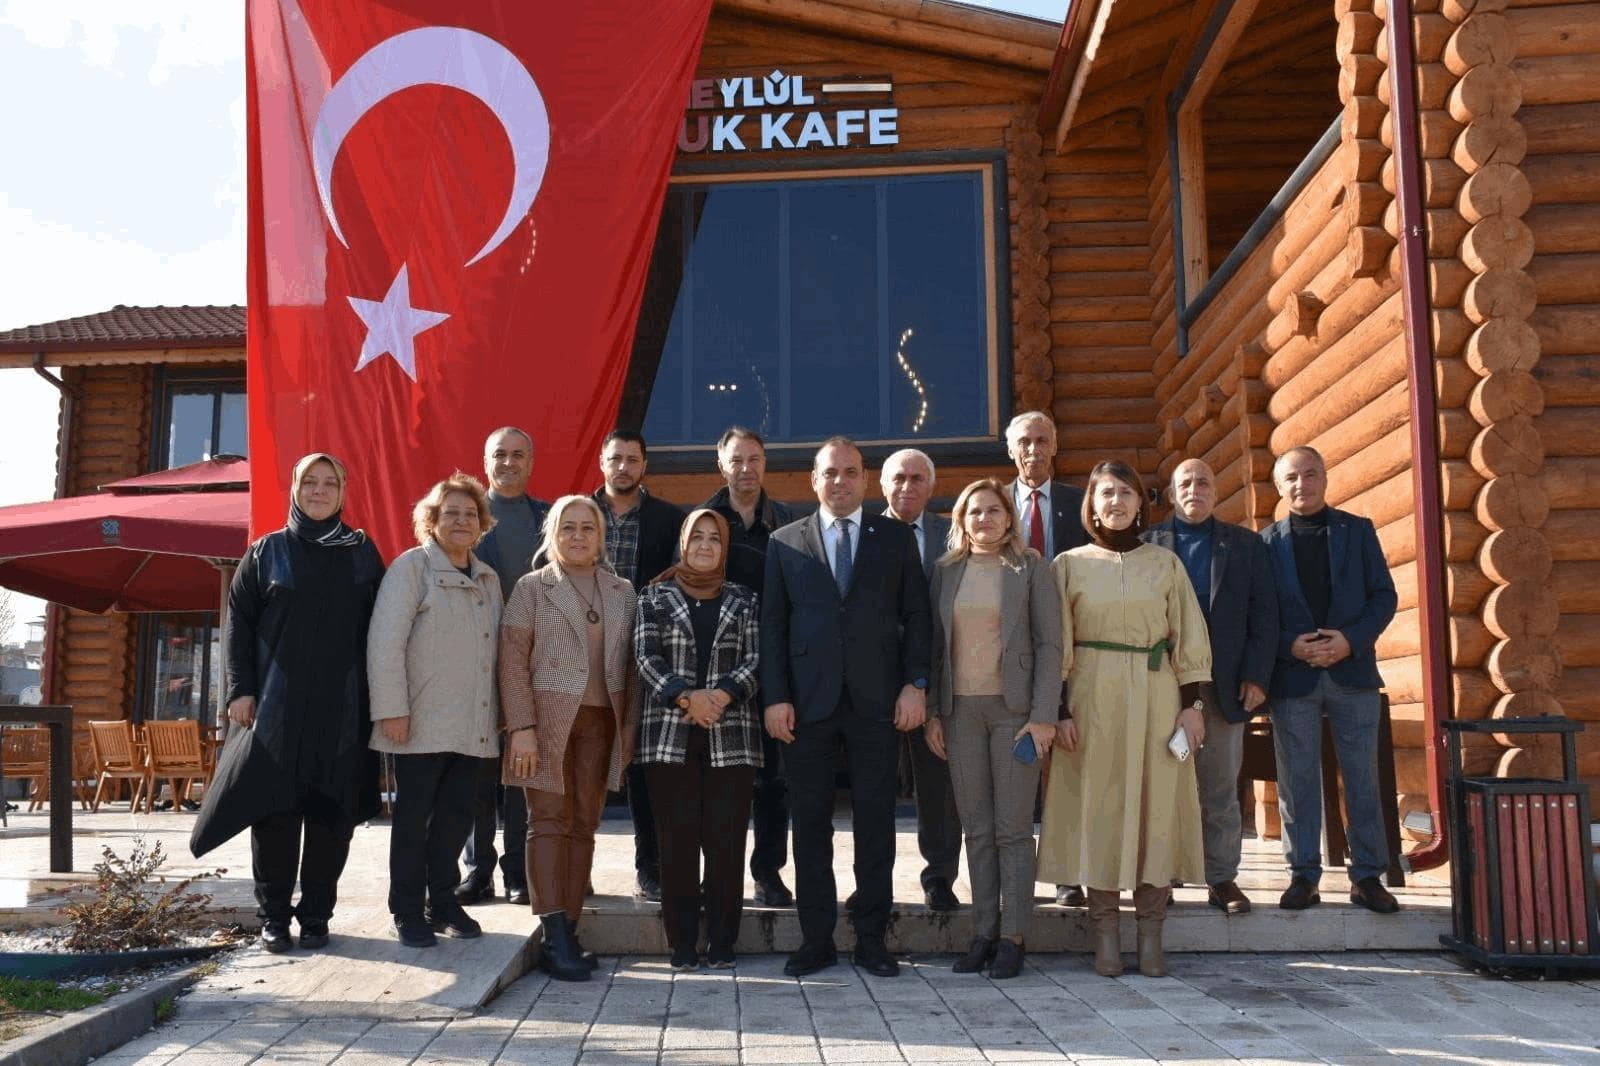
{"points": [[641, 538], [752, 517], [845, 652], [1231, 573]]}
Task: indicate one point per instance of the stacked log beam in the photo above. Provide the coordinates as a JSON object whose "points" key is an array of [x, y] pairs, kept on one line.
{"points": [[1557, 57], [1486, 278]]}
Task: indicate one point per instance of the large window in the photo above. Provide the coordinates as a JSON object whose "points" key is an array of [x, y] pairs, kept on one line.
{"points": [[202, 415], [807, 306], [182, 667]]}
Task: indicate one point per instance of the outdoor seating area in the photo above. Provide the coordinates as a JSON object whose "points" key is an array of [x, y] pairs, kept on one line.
{"points": [[116, 762]]}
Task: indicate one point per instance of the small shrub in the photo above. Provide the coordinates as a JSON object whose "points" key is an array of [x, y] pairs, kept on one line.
{"points": [[126, 913]]}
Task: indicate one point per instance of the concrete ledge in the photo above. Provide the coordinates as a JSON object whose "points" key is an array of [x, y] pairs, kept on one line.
{"points": [[621, 926], [94, 1031]]}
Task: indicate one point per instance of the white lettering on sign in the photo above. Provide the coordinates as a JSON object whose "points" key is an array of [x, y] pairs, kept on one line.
{"points": [[791, 115]]}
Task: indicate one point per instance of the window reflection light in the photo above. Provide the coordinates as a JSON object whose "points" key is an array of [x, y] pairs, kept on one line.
{"points": [[916, 382]]}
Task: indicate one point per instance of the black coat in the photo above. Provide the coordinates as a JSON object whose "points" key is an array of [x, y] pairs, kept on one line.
{"points": [[296, 640], [1243, 604], [875, 639], [1066, 517]]}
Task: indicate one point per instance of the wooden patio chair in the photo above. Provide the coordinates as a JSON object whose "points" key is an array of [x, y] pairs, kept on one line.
{"points": [[27, 757], [117, 758], [176, 755]]}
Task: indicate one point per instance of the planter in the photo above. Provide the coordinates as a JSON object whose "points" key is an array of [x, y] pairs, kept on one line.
{"points": [[54, 966]]}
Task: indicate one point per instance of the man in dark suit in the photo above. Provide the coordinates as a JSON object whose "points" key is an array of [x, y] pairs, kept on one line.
{"points": [[907, 481], [641, 538], [752, 517], [1051, 513], [845, 654], [1335, 598], [1232, 577]]}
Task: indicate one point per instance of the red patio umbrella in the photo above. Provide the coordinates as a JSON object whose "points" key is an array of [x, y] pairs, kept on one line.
{"points": [[152, 543]]}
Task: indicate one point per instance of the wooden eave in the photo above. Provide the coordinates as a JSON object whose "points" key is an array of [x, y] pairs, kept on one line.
{"points": [[1113, 56], [936, 26], [13, 357]]}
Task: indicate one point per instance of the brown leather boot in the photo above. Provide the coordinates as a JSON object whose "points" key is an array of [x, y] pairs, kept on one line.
{"points": [[1150, 904], [1107, 936]]}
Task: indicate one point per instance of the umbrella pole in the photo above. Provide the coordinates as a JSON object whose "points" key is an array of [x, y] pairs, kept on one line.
{"points": [[221, 669]]}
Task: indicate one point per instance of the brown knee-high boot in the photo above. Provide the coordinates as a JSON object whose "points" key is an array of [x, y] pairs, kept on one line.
{"points": [[1150, 904], [1107, 937]]}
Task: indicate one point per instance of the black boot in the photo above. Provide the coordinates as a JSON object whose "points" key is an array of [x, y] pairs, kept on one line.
{"points": [[561, 952]]}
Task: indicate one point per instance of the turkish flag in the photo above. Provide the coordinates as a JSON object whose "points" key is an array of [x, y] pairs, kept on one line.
{"points": [[452, 210]]}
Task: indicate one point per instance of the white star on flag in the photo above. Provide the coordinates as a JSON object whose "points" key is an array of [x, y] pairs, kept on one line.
{"points": [[392, 326]]}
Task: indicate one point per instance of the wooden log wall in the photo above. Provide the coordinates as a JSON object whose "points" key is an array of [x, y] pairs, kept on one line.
{"points": [[94, 664], [1484, 302], [1553, 49]]}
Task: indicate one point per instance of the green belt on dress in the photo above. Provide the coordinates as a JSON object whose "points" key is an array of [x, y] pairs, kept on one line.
{"points": [[1154, 651]]}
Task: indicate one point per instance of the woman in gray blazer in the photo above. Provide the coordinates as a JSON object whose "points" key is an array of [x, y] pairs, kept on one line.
{"points": [[996, 683]]}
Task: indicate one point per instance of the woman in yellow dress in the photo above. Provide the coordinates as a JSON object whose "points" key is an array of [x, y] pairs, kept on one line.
{"points": [[1121, 809]]}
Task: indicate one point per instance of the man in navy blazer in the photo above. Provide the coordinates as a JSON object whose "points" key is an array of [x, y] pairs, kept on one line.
{"points": [[1335, 598], [846, 646], [1232, 577]]}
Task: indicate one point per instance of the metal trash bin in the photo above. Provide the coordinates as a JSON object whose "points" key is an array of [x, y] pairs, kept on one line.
{"points": [[1522, 886]]}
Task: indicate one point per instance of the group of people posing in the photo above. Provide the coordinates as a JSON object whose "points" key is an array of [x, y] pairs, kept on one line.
{"points": [[526, 658]]}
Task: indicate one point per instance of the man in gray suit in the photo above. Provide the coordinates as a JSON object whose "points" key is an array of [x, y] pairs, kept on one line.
{"points": [[907, 481], [1231, 572]]}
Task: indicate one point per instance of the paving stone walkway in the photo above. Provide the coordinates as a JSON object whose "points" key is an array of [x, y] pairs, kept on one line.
{"points": [[1352, 1008]]}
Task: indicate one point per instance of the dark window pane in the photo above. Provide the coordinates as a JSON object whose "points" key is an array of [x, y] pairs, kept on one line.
{"points": [[938, 308], [805, 308], [189, 431], [232, 439], [833, 286]]}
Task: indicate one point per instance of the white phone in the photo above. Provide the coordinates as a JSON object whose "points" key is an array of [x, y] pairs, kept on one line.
{"points": [[1179, 744]]}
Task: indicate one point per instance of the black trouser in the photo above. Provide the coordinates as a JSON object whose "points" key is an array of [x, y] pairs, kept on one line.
{"points": [[706, 815], [871, 746], [276, 856], [938, 823], [433, 795], [769, 848], [494, 805], [646, 849]]}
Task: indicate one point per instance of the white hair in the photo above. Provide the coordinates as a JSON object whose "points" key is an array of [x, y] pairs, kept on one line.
{"points": [[1298, 449], [1029, 416], [910, 453]]}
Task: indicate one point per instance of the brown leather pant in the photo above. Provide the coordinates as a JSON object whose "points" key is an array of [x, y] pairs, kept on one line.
{"points": [[561, 825]]}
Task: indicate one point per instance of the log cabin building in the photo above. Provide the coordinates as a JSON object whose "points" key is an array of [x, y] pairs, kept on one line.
{"points": [[1213, 228]]}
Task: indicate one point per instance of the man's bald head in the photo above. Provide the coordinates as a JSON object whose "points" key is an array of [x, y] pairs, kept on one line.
{"points": [[1194, 491]]}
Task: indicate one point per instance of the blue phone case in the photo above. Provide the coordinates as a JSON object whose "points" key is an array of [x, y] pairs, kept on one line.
{"points": [[1025, 751]]}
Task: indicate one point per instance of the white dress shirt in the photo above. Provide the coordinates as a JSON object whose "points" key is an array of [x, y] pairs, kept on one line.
{"points": [[1023, 498], [830, 535]]}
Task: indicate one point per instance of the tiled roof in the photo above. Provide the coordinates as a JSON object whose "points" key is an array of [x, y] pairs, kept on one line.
{"points": [[125, 327]]}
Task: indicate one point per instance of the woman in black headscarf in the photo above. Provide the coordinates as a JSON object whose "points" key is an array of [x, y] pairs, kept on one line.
{"points": [[296, 763]]}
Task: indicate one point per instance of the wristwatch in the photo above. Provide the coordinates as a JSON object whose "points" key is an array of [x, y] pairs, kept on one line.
{"points": [[1198, 706], [919, 683]]}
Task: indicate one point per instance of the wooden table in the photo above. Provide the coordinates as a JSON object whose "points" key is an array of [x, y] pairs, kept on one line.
{"points": [[59, 720]]}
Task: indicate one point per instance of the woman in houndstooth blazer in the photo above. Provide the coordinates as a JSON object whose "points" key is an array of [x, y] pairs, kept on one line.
{"points": [[569, 706], [696, 644]]}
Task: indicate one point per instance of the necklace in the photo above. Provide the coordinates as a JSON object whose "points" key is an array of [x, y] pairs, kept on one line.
{"points": [[594, 615]]}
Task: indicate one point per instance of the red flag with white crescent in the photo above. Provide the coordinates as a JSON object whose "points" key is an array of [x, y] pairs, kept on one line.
{"points": [[452, 209]]}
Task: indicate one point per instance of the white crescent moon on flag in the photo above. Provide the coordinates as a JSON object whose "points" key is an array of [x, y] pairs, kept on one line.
{"points": [[460, 59]]}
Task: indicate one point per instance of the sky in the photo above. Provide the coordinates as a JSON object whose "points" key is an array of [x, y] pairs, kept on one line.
{"points": [[125, 184]]}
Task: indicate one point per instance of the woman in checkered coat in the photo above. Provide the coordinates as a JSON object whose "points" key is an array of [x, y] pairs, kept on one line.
{"points": [[695, 641]]}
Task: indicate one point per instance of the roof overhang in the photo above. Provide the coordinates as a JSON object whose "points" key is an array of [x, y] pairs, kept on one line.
{"points": [[101, 355]]}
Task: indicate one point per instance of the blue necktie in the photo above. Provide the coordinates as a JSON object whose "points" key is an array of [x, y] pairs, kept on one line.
{"points": [[842, 560]]}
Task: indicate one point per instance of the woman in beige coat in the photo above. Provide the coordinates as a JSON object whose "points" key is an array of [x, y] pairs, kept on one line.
{"points": [[996, 679], [568, 704], [1122, 811], [430, 667]]}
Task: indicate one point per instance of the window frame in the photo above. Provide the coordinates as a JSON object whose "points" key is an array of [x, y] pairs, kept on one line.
{"points": [[990, 166], [170, 382], [214, 681], [1186, 156]]}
